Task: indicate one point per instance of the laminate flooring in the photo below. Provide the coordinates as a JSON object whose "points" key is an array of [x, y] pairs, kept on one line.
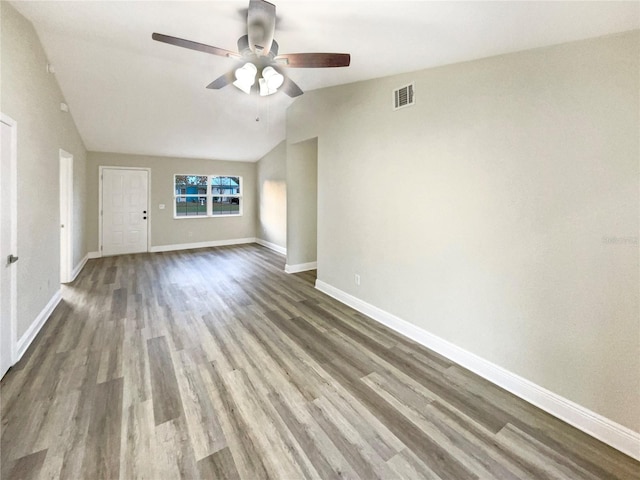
{"points": [[214, 363]]}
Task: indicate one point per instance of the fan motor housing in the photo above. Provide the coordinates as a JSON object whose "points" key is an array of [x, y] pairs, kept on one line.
{"points": [[245, 50]]}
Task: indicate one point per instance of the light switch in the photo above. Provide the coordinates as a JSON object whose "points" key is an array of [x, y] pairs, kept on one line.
{"points": [[161, 206]]}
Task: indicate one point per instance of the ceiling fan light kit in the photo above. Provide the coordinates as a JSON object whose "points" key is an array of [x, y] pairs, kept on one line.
{"points": [[259, 50], [270, 82], [246, 77]]}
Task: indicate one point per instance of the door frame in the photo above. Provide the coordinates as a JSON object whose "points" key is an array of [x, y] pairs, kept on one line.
{"points": [[13, 209], [66, 217], [101, 168]]}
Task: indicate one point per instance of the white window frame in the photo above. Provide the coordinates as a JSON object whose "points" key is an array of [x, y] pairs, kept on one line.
{"points": [[211, 194], [209, 197]]}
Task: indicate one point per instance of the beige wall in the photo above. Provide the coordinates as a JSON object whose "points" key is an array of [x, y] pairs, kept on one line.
{"points": [[271, 172], [499, 213], [302, 202], [32, 97], [165, 230]]}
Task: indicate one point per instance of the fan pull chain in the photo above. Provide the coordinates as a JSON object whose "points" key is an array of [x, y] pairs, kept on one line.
{"points": [[268, 115]]}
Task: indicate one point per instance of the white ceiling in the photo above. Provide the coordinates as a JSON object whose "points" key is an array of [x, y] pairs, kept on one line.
{"points": [[130, 94]]}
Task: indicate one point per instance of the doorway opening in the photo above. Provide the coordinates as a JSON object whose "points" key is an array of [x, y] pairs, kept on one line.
{"points": [[8, 243], [66, 217]]}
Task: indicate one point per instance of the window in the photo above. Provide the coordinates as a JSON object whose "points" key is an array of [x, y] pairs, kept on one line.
{"points": [[190, 195], [207, 196], [225, 192]]}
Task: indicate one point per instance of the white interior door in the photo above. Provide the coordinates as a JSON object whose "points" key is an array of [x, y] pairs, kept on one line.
{"points": [[7, 244], [66, 216], [125, 206]]}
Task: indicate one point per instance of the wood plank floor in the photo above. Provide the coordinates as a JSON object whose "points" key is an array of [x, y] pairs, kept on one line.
{"points": [[214, 363]]}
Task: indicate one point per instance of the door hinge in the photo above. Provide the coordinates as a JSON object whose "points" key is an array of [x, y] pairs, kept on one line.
{"points": [[100, 247]]}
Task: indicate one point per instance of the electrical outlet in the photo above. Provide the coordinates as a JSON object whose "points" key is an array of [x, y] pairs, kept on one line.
{"points": [[357, 279], [190, 234], [161, 206]]}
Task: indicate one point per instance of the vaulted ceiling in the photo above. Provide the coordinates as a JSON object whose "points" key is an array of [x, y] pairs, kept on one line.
{"points": [[130, 94]]}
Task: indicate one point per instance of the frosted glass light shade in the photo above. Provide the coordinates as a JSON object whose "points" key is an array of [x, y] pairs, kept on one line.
{"points": [[246, 77], [270, 81]]}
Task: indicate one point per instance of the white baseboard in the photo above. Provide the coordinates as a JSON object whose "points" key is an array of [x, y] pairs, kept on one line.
{"points": [[91, 255], [213, 243], [612, 433], [300, 267], [78, 268], [36, 325], [272, 246]]}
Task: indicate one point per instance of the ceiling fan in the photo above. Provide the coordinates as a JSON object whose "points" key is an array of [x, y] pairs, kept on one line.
{"points": [[258, 56]]}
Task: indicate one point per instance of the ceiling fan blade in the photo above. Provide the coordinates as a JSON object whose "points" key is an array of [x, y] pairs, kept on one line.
{"points": [[223, 81], [313, 60], [290, 88], [201, 47], [261, 26]]}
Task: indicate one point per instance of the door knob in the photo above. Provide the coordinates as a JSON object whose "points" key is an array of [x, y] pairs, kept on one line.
{"points": [[12, 259]]}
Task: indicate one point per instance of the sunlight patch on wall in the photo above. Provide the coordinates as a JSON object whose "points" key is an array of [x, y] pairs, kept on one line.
{"points": [[273, 209]]}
